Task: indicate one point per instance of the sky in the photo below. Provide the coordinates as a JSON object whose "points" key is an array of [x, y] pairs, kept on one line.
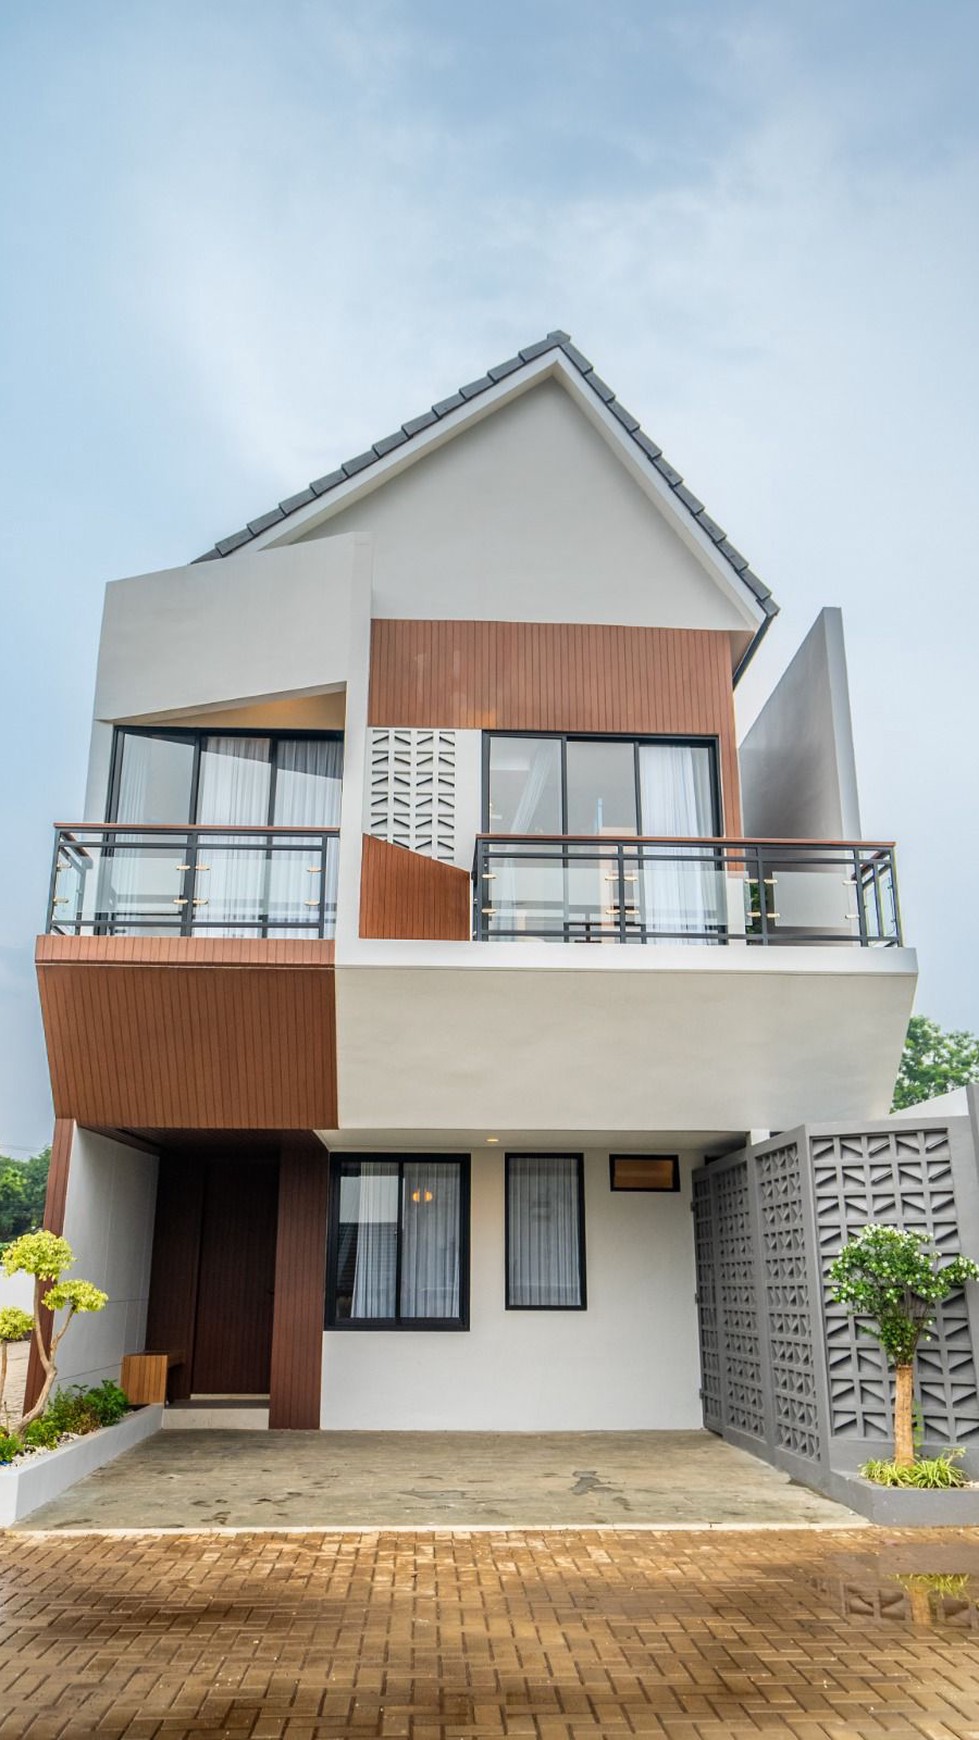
{"points": [[242, 240]]}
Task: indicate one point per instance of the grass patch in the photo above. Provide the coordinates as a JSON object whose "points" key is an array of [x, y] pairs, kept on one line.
{"points": [[931, 1473]]}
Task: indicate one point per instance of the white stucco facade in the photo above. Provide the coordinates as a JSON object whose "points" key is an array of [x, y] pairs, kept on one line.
{"points": [[628, 1361], [109, 1224]]}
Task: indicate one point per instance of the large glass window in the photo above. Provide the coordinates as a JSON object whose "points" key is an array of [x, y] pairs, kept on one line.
{"points": [[227, 779], [399, 1243], [545, 1232], [601, 785]]}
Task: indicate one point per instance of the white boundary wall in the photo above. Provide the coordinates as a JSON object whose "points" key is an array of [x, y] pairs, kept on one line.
{"points": [[109, 1224]]}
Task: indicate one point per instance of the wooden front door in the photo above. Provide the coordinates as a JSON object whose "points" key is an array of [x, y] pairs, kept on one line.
{"points": [[236, 1279]]}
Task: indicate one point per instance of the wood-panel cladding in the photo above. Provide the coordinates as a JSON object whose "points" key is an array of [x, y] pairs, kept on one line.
{"points": [[190, 1033], [543, 676], [233, 1336], [54, 1221], [300, 1282], [403, 894], [172, 1311]]}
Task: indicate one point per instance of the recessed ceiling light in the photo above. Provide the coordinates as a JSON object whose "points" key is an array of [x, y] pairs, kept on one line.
{"points": [[492, 1138]]}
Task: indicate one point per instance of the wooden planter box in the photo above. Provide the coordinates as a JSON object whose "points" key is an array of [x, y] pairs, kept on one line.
{"points": [[25, 1486]]}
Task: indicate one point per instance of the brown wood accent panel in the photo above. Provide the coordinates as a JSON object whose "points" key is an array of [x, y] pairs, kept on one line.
{"points": [[543, 676], [236, 1282], [172, 1312], [144, 1375], [403, 894], [190, 1033], [54, 1221], [300, 1283]]}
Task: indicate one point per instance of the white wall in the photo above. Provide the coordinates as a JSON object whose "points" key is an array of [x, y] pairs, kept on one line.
{"points": [[109, 1224], [16, 1291], [530, 516], [629, 1361], [798, 772], [218, 633]]}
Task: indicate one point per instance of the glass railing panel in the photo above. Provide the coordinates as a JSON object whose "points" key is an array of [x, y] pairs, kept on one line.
{"points": [[687, 892], [167, 881]]}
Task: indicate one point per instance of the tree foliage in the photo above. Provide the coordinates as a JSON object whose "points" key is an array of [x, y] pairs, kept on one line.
{"points": [[23, 1184], [46, 1256], [933, 1062]]}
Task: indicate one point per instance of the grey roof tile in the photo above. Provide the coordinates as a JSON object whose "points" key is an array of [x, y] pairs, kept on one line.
{"points": [[648, 446], [320, 485], [665, 469], [265, 520], [499, 371], [415, 425], [688, 498], [389, 443], [711, 527], [578, 357], [292, 502], [734, 556], [556, 340], [538, 349], [625, 417], [350, 467], [601, 387], [224, 546]]}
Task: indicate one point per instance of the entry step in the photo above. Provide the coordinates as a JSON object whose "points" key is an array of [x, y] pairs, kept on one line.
{"points": [[218, 1413]]}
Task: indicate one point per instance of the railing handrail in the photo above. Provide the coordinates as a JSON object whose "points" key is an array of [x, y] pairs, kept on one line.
{"points": [[713, 840], [73, 828]]}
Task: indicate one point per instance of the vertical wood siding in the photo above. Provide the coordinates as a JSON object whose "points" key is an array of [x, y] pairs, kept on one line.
{"points": [[157, 1033], [403, 894], [541, 676], [300, 1281], [171, 1317]]}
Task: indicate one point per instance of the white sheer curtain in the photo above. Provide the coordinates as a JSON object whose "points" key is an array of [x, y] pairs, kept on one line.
{"points": [[431, 1223], [308, 780], [677, 801], [543, 1231], [512, 892], [138, 881], [376, 1264], [233, 790]]}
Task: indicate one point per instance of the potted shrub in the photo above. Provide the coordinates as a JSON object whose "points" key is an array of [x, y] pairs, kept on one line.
{"points": [[893, 1281]]}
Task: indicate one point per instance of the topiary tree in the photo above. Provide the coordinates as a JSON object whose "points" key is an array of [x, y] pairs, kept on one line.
{"points": [[15, 1325], [892, 1278], [46, 1256]]}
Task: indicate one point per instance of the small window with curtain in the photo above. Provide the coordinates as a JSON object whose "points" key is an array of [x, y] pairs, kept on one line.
{"points": [[399, 1242], [545, 1232]]}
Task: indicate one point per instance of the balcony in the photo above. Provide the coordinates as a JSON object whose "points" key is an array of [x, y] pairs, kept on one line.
{"points": [[214, 881], [743, 893]]}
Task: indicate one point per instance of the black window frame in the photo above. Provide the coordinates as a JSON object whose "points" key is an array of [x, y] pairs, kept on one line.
{"points": [[195, 738], [546, 1154], [443, 1325], [638, 741]]}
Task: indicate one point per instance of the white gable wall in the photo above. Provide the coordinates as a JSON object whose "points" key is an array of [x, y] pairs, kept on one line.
{"points": [[530, 516]]}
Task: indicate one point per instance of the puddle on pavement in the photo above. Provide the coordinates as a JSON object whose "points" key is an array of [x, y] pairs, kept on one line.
{"points": [[936, 1599]]}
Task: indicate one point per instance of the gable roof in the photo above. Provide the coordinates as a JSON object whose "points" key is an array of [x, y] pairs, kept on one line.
{"points": [[555, 341]]}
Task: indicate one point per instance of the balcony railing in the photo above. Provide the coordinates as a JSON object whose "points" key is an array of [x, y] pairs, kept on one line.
{"points": [[120, 880], [628, 890]]}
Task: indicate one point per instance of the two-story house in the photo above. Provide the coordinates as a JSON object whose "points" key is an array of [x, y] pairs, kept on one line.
{"points": [[426, 929]]}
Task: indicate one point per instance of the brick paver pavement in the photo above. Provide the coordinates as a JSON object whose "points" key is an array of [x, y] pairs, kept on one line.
{"points": [[549, 1636]]}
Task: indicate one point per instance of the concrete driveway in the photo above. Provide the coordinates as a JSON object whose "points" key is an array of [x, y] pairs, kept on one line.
{"points": [[290, 1480]]}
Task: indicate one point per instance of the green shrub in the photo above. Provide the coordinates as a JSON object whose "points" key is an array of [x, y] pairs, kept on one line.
{"points": [[108, 1402], [42, 1435], [10, 1446], [934, 1472]]}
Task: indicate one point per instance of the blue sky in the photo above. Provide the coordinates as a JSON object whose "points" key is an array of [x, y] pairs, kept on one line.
{"points": [[243, 240]]}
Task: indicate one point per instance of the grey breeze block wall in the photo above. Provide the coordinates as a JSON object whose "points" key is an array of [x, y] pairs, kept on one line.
{"points": [[786, 1374]]}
